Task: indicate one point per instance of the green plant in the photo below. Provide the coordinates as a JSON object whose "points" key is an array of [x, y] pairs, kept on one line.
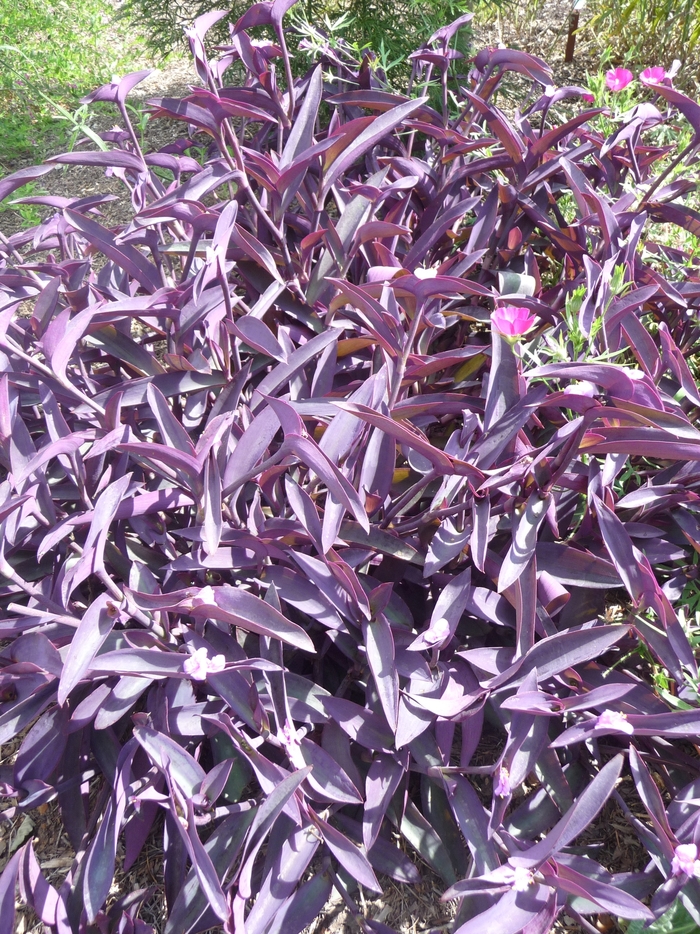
{"points": [[29, 213], [675, 921]]}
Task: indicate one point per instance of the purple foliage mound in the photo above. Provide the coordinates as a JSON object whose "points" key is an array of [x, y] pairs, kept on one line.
{"points": [[349, 491]]}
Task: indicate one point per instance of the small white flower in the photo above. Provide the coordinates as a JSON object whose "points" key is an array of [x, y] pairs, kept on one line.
{"points": [[438, 631], [522, 879], [205, 597], [614, 720], [517, 877], [199, 665], [216, 665], [420, 272]]}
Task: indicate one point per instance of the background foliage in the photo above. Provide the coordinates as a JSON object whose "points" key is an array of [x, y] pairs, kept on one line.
{"points": [[51, 54], [392, 31]]}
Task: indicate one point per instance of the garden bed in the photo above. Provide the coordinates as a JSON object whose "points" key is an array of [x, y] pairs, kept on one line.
{"points": [[320, 478]]}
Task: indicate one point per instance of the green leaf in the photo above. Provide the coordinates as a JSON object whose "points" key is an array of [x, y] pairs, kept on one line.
{"points": [[675, 921]]}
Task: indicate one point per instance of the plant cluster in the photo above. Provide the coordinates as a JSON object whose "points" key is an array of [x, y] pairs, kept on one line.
{"points": [[350, 491]]}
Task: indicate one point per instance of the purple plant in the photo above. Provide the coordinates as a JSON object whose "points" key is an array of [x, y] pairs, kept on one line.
{"points": [[337, 452]]}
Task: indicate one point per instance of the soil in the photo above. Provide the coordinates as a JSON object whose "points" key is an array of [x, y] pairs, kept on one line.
{"points": [[541, 29]]}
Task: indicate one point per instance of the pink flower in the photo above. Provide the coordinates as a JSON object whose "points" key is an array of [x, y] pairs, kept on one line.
{"points": [[511, 321], [686, 860], [613, 720], [652, 76], [588, 97], [618, 78], [199, 665], [502, 788]]}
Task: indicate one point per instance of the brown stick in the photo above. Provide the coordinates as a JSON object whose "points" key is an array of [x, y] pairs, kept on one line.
{"points": [[571, 38]]}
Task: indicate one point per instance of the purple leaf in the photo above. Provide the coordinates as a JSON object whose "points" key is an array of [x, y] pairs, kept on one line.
{"points": [[380, 655], [209, 880], [117, 92], [222, 847], [383, 778], [379, 128], [124, 254], [301, 135], [327, 776], [524, 539], [17, 179], [94, 627], [575, 821], [608, 897], [366, 728], [279, 884], [511, 914], [34, 888], [559, 652], [302, 908], [42, 747], [340, 488], [240, 608], [350, 857], [8, 882], [113, 158], [263, 823], [172, 759]]}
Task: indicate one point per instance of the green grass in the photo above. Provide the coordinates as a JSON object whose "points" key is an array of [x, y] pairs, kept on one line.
{"points": [[51, 53], [28, 213]]}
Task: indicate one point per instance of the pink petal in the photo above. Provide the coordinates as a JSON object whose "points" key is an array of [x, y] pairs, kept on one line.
{"points": [[653, 75], [511, 321], [618, 78]]}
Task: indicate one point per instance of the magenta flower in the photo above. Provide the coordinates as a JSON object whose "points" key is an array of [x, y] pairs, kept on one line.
{"points": [[618, 78], [652, 76], [685, 860], [199, 665], [614, 720], [511, 321]]}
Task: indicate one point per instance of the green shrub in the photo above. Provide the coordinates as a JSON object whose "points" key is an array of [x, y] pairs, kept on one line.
{"points": [[392, 30]]}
